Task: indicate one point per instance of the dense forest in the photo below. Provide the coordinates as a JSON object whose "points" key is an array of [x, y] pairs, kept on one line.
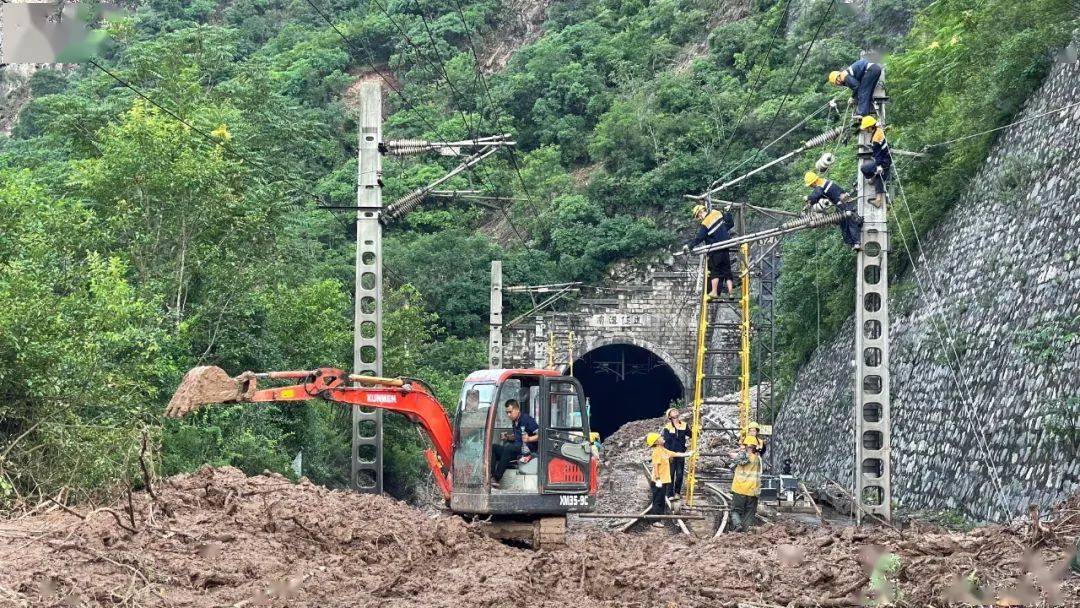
{"points": [[161, 206]]}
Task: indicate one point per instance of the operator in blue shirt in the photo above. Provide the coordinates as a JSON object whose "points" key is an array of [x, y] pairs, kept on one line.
{"points": [[525, 431]]}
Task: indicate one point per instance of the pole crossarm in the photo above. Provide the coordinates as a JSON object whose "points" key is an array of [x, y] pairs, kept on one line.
{"points": [[540, 288], [408, 202], [562, 293], [803, 223], [829, 135], [406, 147]]}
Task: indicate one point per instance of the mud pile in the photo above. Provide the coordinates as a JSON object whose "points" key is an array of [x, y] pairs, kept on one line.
{"points": [[624, 487], [218, 538]]}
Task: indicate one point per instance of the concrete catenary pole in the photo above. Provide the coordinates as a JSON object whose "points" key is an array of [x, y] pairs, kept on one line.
{"points": [[367, 426], [873, 441], [495, 318]]}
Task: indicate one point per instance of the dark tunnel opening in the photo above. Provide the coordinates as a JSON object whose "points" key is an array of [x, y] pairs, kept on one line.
{"points": [[624, 382]]}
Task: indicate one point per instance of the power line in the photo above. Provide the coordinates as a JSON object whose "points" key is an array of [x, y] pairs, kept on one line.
{"points": [[371, 63], [1028, 119], [751, 97], [802, 62], [956, 374], [214, 140], [492, 106]]}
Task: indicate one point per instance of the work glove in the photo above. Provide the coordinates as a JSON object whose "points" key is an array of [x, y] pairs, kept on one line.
{"points": [[879, 170], [689, 453], [819, 207], [659, 484], [686, 249]]}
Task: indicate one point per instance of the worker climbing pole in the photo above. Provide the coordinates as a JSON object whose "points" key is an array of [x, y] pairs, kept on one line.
{"points": [[873, 444], [864, 227]]}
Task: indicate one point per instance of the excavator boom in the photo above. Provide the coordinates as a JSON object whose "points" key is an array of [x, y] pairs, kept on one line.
{"points": [[209, 385]]}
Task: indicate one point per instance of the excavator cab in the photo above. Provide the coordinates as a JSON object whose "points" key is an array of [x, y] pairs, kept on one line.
{"points": [[560, 478]]}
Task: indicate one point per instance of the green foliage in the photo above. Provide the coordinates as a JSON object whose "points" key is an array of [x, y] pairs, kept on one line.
{"points": [[883, 588], [1051, 340], [135, 248]]}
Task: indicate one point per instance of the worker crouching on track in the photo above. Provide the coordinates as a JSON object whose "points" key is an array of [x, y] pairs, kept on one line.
{"points": [[661, 473], [746, 485], [715, 227], [675, 434], [861, 77], [827, 189], [878, 168]]}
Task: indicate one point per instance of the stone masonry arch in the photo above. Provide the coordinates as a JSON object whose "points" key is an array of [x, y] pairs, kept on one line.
{"points": [[658, 315], [681, 372]]}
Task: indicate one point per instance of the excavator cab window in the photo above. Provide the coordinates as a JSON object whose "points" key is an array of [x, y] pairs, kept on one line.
{"points": [[565, 459], [470, 424], [521, 476]]}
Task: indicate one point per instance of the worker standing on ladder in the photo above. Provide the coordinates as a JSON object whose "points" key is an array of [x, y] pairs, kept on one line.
{"points": [[746, 485], [827, 189], [877, 168], [715, 227], [676, 433], [861, 77]]}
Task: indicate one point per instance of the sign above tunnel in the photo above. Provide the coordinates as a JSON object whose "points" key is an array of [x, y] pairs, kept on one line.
{"points": [[620, 320]]}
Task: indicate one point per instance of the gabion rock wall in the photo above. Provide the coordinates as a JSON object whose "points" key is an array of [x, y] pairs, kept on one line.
{"points": [[1000, 295]]}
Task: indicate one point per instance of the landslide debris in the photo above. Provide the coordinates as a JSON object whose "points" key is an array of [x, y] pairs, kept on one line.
{"points": [[219, 538]]}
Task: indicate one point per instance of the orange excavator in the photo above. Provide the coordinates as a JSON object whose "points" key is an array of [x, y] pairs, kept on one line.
{"points": [[534, 495]]}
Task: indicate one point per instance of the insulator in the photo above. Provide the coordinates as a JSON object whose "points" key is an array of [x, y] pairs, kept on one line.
{"points": [[824, 137], [825, 162], [403, 147], [406, 203], [816, 220]]}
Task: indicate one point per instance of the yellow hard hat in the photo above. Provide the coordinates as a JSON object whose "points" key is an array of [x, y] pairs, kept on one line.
{"points": [[667, 414], [754, 425], [810, 178], [652, 438], [836, 77], [867, 122], [697, 209], [594, 436]]}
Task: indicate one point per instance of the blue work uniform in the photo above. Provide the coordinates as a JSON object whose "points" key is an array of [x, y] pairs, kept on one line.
{"points": [[675, 438], [881, 159], [715, 228], [849, 226], [862, 77]]}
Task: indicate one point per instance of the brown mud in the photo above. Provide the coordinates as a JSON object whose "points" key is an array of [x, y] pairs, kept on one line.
{"points": [[219, 538]]}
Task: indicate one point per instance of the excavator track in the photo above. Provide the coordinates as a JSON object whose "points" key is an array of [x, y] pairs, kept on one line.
{"points": [[541, 533]]}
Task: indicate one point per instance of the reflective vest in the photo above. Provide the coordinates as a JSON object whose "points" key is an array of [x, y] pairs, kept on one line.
{"points": [[747, 479], [880, 149]]}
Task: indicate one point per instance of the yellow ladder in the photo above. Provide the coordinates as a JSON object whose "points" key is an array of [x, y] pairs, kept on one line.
{"points": [[703, 331]]}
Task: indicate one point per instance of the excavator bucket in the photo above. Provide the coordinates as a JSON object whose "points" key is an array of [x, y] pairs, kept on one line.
{"points": [[201, 386]]}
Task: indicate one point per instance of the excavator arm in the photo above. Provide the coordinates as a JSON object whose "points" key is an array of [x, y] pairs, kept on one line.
{"points": [[207, 385]]}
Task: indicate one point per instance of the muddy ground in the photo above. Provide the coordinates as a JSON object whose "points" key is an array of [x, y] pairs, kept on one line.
{"points": [[624, 487], [219, 538]]}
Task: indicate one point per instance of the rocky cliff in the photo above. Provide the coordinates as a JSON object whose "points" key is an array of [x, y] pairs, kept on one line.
{"points": [[985, 338]]}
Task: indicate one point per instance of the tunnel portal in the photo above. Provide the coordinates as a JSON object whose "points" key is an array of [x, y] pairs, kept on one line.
{"points": [[625, 382]]}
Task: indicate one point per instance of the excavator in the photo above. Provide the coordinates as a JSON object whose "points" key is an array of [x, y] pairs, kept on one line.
{"points": [[533, 497]]}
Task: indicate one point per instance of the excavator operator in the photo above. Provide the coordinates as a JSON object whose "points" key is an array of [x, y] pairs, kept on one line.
{"points": [[523, 443]]}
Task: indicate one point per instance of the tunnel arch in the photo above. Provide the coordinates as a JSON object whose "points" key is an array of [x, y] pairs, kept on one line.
{"points": [[628, 379]]}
